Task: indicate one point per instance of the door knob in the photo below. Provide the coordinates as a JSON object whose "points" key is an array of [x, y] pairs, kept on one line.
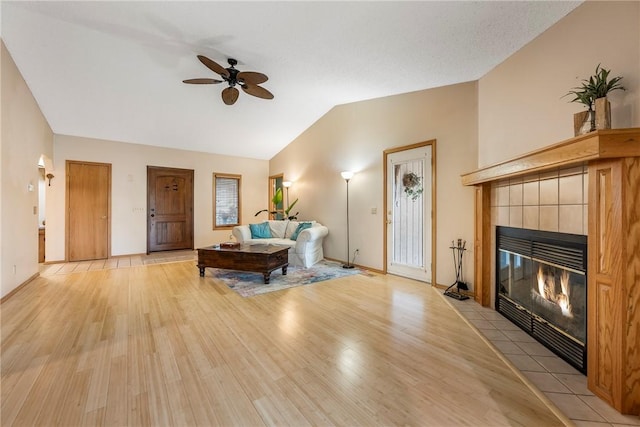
{"points": [[103, 217], [152, 215]]}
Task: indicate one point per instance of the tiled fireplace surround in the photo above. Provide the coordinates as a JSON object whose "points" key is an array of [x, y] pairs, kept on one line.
{"points": [[554, 200], [548, 201], [588, 185]]}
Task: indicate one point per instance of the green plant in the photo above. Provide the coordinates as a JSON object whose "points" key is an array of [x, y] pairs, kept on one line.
{"points": [[582, 96], [276, 200], [597, 86]]}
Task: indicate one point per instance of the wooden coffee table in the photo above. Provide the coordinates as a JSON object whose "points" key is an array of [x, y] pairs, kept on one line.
{"points": [[258, 258]]}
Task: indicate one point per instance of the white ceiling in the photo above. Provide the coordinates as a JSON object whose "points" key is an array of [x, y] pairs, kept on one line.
{"points": [[114, 70]]}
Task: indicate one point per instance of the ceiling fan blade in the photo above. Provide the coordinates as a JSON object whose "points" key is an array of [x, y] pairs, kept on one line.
{"points": [[258, 91], [202, 81], [252, 77], [230, 95], [213, 66]]}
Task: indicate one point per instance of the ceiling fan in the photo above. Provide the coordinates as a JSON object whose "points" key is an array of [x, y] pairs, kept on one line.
{"points": [[247, 80]]}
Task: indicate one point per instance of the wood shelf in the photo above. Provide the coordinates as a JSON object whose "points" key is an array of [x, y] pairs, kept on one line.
{"points": [[601, 144]]}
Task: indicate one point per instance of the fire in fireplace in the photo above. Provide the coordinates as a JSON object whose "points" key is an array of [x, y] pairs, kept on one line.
{"points": [[547, 290], [542, 288]]}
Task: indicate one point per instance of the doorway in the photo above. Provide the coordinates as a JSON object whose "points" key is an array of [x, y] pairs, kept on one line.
{"points": [[409, 190], [89, 210], [169, 208], [275, 183], [41, 210]]}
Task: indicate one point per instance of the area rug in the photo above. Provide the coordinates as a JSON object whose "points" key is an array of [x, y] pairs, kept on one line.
{"points": [[250, 284]]}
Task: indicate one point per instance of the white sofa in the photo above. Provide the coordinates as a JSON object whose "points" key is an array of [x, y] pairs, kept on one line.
{"points": [[305, 251]]}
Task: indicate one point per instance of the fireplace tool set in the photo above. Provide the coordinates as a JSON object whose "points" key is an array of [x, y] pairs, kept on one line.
{"points": [[458, 252]]}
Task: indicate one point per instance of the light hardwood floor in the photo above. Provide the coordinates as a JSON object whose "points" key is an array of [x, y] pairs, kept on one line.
{"points": [[159, 345]]}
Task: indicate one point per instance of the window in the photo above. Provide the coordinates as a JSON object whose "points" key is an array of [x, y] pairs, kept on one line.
{"points": [[226, 200]]}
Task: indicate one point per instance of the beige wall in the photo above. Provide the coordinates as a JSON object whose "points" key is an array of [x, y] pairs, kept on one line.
{"points": [[521, 107], [353, 137], [129, 190], [26, 135]]}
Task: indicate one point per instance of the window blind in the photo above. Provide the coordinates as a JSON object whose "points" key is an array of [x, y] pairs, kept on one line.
{"points": [[227, 195]]}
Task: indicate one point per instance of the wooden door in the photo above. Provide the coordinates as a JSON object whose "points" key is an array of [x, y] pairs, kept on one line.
{"points": [[89, 210], [169, 209]]}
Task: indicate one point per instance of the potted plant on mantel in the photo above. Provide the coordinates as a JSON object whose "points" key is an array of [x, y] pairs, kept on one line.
{"points": [[594, 91]]}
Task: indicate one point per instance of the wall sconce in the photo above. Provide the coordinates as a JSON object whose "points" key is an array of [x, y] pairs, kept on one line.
{"points": [[49, 176]]}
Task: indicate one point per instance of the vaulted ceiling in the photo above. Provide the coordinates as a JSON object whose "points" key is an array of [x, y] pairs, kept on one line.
{"points": [[114, 70]]}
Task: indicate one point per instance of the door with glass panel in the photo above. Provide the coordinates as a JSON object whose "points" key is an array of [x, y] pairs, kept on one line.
{"points": [[409, 215]]}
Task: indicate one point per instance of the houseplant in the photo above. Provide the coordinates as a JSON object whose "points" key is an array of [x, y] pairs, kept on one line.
{"points": [[276, 200], [594, 91], [599, 86]]}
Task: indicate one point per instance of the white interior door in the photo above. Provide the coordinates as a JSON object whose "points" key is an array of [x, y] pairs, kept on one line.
{"points": [[409, 213]]}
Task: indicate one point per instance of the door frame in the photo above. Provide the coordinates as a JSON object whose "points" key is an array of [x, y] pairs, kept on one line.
{"points": [[273, 187], [67, 213], [386, 153]]}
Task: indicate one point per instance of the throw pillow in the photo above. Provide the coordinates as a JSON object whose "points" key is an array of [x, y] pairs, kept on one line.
{"points": [[260, 231], [278, 228], [301, 226]]}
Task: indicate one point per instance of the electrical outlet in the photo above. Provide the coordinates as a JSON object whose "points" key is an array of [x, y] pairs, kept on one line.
{"points": [[14, 269]]}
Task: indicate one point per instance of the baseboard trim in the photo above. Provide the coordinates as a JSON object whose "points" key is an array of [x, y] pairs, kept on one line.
{"points": [[362, 267], [17, 288]]}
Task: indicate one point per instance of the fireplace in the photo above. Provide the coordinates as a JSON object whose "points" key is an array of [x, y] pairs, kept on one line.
{"points": [[542, 288]]}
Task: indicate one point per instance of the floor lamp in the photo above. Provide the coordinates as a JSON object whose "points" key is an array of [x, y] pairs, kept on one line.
{"points": [[347, 176], [286, 185]]}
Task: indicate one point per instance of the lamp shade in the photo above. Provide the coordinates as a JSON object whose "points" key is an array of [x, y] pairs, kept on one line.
{"points": [[347, 175], [286, 184]]}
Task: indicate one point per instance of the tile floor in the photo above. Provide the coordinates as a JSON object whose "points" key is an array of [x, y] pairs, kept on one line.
{"points": [[559, 381], [118, 262]]}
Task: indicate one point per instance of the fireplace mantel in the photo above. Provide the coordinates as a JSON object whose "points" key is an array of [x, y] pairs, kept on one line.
{"points": [[613, 278], [601, 144]]}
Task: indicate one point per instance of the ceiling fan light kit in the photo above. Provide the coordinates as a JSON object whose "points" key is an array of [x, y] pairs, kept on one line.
{"points": [[249, 81]]}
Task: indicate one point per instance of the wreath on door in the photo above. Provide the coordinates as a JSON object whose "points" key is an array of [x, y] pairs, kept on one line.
{"points": [[412, 185]]}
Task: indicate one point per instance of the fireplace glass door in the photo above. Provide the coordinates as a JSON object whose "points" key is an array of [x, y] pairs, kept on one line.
{"points": [[515, 278], [542, 288], [559, 296]]}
